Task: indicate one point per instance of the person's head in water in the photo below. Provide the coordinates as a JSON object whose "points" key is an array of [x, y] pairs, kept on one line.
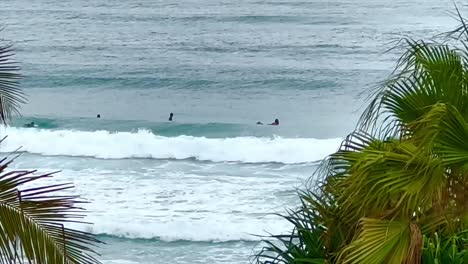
{"points": [[276, 123], [29, 124], [170, 116], [98, 116]]}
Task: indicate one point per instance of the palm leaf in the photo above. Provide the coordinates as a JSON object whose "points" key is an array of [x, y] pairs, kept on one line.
{"points": [[430, 73], [32, 222], [11, 95], [303, 246], [382, 241]]}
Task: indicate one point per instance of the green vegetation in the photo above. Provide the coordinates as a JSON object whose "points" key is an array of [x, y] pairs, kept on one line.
{"points": [[32, 218], [397, 189]]}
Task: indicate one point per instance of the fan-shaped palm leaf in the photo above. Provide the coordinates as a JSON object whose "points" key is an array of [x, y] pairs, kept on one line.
{"points": [[32, 222], [382, 241]]}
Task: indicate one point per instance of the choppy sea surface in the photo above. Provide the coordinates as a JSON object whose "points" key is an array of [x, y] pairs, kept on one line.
{"points": [[202, 188]]}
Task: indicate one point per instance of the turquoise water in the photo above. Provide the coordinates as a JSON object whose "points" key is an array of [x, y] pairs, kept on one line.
{"points": [[199, 189], [211, 130]]}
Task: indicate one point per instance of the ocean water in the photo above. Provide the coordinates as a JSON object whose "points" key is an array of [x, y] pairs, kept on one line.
{"points": [[203, 188]]}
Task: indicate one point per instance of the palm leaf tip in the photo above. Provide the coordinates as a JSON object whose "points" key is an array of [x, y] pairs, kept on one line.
{"points": [[11, 95]]}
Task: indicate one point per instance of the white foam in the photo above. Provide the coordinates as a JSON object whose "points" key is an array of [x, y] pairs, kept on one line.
{"points": [[217, 229], [175, 204], [144, 144]]}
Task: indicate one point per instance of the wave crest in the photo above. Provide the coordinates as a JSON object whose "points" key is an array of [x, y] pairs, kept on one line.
{"points": [[144, 144]]}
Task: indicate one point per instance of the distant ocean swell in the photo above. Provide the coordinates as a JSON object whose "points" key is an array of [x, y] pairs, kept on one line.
{"points": [[145, 144]]}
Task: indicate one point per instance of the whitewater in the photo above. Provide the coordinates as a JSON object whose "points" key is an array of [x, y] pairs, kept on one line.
{"points": [[169, 200], [144, 144], [188, 188]]}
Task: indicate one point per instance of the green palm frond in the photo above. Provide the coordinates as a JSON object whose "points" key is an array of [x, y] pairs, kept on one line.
{"points": [[388, 175], [32, 222], [11, 95], [303, 246], [379, 241], [430, 73], [382, 241], [452, 141]]}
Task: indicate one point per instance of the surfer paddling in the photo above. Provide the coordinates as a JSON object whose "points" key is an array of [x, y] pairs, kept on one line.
{"points": [[275, 123]]}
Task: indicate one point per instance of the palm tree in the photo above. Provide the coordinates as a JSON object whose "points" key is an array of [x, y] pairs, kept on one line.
{"points": [[396, 190], [32, 219]]}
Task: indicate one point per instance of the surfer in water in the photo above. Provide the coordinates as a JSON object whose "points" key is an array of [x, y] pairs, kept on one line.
{"points": [[170, 116], [98, 116], [276, 123], [29, 124]]}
